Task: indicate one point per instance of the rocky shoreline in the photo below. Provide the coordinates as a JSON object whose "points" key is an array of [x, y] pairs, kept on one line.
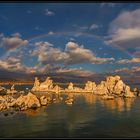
{"points": [[113, 87]]}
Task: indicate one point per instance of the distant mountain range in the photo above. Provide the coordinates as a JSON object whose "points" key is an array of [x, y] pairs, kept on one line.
{"points": [[22, 77]]}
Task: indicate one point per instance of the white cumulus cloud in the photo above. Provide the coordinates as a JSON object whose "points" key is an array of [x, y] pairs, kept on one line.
{"points": [[124, 31]]}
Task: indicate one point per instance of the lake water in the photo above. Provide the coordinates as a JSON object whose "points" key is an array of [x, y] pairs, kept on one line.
{"points": [[89, 116]]}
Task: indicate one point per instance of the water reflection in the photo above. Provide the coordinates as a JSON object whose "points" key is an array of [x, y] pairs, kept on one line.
{"points": [[116, 105], [90, 98], [128, 103], [32, 112]]}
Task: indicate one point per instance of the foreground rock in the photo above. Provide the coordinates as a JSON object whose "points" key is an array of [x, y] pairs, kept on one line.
{"points": [[6, 102], [27, 101], [2, 90], [3, 106], [24, 102]]}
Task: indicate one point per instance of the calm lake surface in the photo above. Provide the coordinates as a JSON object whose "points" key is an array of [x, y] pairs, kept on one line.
{"points": [[89, 116]]}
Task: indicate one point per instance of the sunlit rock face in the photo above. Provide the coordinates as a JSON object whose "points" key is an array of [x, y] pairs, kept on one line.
{"points": [[6, 102], [111, 83], [3, 106], [90, 86], [113, 86], [47, 84], [36, 84], [43, 100], [119, 87], [57, 89], [44, 86], [101, 89], [27, 101], [70, 86], [9, 100], [128, 93]]}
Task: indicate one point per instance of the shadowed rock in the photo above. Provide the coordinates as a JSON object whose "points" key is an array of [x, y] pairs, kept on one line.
{"points": [[2, 90]]}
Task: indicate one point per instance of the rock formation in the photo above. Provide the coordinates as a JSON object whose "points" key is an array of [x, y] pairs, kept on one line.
{"points": [[47, 84], [27, 101], [11, 91], [119, 87], [128, 93], [36, 84], [3, 106], [90, 86], [101, 89], [44, 86], [136, 92], [2, 90], [43, 100], [6, 102], [113, 86], [57, 89], [70, 86]]}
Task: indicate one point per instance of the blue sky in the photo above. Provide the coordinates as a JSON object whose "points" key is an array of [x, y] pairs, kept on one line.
{"points": [[70, 38]]}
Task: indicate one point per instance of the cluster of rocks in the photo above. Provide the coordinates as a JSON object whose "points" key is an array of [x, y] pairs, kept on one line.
{"points": [[71, 88], [47, 85], [90, 86], [113, 87], [12, 91], [24, 102]]}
